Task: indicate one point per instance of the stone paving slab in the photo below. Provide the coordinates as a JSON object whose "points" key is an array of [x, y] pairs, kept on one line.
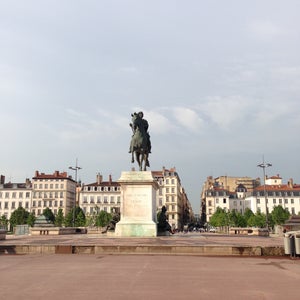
{"points": [[147, 277]]}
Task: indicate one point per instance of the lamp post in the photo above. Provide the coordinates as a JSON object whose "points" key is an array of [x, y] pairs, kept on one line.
{"points": [[264, 165], [76, 168]]}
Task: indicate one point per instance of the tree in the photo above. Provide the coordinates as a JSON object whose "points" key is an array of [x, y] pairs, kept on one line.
{"points": [[4, 221], [103, 218], [79, 217], [47, 212], [237, 219], [279, 215], [31, 219], [247, 214], [19, 217], [219, 218], [257, 220], [59, 218]]}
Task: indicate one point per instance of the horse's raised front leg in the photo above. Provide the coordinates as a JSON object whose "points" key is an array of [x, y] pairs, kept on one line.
{"points": [[132, 157]]}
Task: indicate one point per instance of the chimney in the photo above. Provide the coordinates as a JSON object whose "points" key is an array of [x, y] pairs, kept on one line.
{"points": [[99, 178], [2, 179], [56, 173], [36, 174], [291, 183], [109, 179]]}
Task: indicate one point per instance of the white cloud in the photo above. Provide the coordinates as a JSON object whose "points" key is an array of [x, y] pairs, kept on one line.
{"points": [[264, 29], [188, 118], [224, 111]]}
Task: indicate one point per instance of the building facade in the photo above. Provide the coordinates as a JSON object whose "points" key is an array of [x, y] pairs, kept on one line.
{"points": [[55, 191], [14, 195], [262, 198], [100, 195]]}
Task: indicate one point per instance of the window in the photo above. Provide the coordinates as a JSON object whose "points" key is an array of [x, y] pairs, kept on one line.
{"points": [[217, 200], [280, 201], [98, 199], [33, 203], [51, 186], [173, 181], [40, 186], [61, 203], [14, 194], [209, 202], [224, 200], [84, 199], [274, 201], [92, 199], [167, 181], [286, 201], [26, 204], [119, 199], [112, 199], [46, 186], [27, 195], [40, 203], [20, 204], [172, 190], [160, 202], [6, 205], [292, 201], [6, 195], [105, 199], [258, 201], [13, 205]]}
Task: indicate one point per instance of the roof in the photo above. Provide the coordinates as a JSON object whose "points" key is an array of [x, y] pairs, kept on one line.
{"points": [[55, 175], [279, 187]]}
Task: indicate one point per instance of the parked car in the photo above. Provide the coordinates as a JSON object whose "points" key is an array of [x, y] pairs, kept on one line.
{"points": [[213, 229]]}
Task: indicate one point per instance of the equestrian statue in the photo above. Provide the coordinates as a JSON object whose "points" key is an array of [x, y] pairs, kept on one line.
{"points": [[140, 142]]}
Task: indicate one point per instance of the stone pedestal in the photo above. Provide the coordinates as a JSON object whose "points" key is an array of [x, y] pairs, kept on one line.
{"points": [[138, 205]]}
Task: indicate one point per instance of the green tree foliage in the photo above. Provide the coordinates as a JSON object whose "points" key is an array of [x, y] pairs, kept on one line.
{"points": [[103, 218], [257, 220], [236, 219], [79, 217], [19, 217], [279, 215], [47, 212], [31, 219], [219, 218], [59, 218], [4, 221], [248, 214]]}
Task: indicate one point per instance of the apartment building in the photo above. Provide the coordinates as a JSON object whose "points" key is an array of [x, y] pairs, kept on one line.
{"points": [[55, 191], [260, 199], [172, 195], [14, 195], [275, 193], [100, 195]]}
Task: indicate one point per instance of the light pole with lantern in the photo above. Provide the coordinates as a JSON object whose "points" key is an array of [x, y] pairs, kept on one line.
{"points": [[264, 165], [76, 168]]}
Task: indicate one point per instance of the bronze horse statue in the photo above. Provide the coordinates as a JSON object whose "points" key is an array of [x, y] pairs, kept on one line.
{"points": [[140, 142]]}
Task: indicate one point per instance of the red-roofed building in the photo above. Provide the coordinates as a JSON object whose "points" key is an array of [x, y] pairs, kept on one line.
{"points": [[55, 191]]}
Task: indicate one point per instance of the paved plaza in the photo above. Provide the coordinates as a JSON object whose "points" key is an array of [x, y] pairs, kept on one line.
{"points": [[147, 277]]}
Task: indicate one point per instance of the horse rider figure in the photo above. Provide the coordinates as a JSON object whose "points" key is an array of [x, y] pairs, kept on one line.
{"points": [[145, 126]]}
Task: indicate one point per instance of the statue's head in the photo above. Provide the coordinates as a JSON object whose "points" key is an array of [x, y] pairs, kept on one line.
{"points": [[163, 209], [141, 114]]}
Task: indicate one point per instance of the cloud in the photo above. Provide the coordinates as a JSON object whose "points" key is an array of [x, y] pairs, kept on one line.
{"points": [[188, 118], [264, 29], [224, 111]]}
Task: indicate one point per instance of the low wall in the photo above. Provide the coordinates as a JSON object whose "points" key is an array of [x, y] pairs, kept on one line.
{"points": [[57, 230], [249, 231], [2, 234]]}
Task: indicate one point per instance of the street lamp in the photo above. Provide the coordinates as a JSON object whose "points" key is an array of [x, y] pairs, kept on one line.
{"points": [[264, 165], [76, 168]]}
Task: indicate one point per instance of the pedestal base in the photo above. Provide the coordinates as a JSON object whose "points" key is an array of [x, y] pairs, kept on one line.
{"points": [[136, 229], [138, 205]]}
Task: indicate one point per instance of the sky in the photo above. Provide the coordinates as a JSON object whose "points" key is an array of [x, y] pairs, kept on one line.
{"points": [[218, 82]]}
